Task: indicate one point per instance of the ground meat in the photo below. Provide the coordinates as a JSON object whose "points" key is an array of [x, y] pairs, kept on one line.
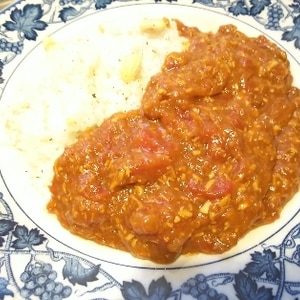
{"points": [[211, 153]]}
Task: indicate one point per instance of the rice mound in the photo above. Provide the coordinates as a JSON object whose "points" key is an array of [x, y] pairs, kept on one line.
{"points": [[75, 83]]}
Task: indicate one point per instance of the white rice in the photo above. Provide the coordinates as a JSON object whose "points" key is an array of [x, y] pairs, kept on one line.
{"points": [[74, 82]]}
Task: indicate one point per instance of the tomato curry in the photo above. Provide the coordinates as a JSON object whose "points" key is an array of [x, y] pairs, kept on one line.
{"points": [[212, 152]]}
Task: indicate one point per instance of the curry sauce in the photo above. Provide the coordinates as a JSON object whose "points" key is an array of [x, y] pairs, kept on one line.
{"points": [[212, 152]]}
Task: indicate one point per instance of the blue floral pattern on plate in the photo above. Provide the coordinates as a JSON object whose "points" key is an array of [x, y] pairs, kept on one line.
{"points": [[52, 272], [263, 277]]}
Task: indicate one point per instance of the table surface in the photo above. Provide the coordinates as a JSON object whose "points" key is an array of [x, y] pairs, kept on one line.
{"points": [[4, 3]]}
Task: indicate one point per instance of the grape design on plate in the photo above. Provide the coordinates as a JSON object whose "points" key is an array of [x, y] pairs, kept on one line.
{"points": [[198, 288], [73, 2], [40, 280], [15, 47], [275, 14]]}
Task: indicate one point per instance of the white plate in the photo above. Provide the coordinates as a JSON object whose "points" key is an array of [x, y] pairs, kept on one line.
{"points": [[262, 266]]}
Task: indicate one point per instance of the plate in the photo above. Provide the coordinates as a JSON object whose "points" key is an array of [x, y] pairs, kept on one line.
{"points": [[39, 259]]}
